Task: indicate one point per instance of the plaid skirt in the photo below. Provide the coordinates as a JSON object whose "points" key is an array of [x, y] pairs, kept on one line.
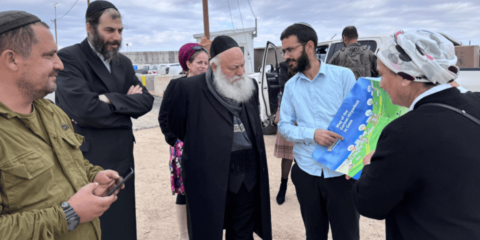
{"points": [[283, 148]]}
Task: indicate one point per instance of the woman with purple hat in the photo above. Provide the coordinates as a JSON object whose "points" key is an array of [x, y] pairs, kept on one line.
{"points": [[194, 60]]}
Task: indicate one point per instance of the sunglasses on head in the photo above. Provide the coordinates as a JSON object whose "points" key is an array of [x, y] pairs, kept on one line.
{"points": [[198, 48]]}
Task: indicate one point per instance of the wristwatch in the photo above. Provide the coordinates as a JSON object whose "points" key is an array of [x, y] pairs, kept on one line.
{"points": [[72, 218]]}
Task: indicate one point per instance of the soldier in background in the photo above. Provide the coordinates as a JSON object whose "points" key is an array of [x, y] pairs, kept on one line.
{"points": [[361, 60]]}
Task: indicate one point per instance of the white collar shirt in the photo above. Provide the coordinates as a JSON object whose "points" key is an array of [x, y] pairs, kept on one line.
{"points": [[106, 62], [429, 92]]}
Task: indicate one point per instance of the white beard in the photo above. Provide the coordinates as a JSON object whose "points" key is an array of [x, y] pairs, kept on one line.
{"points": [[240, 90]]}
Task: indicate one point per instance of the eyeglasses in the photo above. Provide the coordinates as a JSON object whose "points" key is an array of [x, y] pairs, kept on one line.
{"points": [[198, 48], [290, 50]]}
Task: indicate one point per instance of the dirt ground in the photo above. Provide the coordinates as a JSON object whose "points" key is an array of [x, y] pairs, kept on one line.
{"points": [[155, 202]]}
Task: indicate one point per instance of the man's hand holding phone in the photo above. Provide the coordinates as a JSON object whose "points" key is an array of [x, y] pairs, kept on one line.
{"points": [[95, 198], [87, 206], [107, 180]]}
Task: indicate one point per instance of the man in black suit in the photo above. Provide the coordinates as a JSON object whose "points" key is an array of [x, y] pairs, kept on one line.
{"points": [[99, 91], [224, 163], [423, 177]]}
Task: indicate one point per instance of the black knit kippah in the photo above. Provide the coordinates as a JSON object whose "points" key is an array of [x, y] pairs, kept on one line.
{"points": [[304, 24], [98, 6], [221, 44], [10, 20]]}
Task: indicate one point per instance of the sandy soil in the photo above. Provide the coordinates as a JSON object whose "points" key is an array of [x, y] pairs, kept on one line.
{"points": [[155, 202]]}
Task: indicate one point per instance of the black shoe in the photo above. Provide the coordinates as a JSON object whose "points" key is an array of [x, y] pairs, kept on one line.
{"points": [[282, 191]]}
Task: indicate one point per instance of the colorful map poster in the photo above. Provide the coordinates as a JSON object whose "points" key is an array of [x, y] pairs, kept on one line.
{"points": [[360, 120]]}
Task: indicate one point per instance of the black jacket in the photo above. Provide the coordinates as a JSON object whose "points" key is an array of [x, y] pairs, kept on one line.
{"points": [[423, 178], [163, 113], [206, 127], [107, 128]]}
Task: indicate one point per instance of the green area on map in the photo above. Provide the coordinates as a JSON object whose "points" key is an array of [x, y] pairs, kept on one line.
{"points": [[383, 112]]}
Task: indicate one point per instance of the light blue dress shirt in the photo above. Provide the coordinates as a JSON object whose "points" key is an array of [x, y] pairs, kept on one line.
{"points": [[312, 104]]}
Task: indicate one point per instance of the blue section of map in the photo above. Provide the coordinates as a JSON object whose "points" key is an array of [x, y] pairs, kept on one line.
{"points": [[354, 111], [357, 176]]}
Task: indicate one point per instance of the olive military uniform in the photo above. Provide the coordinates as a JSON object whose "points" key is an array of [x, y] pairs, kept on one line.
{"points": [[41, 166]]}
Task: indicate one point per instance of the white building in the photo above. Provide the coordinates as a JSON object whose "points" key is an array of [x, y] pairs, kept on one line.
{"points": [[244, 39]]}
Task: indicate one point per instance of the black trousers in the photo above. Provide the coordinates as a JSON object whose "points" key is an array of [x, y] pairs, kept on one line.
{"points": [[323, 201], [239, 213], [119, 221], [181, 199]]}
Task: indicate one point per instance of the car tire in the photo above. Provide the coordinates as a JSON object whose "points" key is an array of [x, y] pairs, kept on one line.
{"points": [[268, 128]]}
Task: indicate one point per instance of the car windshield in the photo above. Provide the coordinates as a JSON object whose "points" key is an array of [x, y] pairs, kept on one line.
{"points": [[322, 52]]}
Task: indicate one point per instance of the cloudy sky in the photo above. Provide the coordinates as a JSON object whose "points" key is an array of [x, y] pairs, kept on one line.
{"points": [[162, 25]]}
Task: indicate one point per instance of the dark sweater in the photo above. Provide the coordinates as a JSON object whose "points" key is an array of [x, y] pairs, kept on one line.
{"points": [[424, 175], [163, 113]]}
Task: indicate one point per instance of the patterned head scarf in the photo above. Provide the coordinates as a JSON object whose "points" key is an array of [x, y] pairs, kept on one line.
{"points": [[420, 56]]}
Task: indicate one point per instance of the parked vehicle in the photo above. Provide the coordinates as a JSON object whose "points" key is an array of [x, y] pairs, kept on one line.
{"points": [[269, 87], [143, 70], [326, 49], [165, 69], [162, 69], [469, 78], [153, 69], [173, 69]]}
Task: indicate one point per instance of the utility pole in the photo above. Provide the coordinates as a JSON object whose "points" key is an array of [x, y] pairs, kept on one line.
{"points": [[206, 26], [88, 2], [55, 21]]}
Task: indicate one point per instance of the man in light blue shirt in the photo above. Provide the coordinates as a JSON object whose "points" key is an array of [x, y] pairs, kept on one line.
{"points": [[311, 100]]}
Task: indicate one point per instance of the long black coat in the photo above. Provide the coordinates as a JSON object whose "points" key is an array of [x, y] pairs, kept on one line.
{"points": [[107, 128], [423, 178], [163, 114], [206, 127]]}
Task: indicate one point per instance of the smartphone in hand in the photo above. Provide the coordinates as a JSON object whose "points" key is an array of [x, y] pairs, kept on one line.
{"points": [[125, 177]]}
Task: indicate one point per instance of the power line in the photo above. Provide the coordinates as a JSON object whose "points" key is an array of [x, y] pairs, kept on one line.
{"points": [[244, 34], [235, 34], [241, 18], [251, 9], [68, 11]]}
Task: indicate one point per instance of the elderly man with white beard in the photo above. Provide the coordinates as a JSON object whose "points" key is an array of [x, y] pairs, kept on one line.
{"points": [[224, 164]]}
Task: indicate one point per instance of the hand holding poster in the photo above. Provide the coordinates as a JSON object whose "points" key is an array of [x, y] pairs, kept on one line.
{"points": [[364, 113]]}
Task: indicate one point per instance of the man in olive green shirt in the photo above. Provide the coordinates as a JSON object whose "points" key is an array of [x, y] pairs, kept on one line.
{"points": [[47, 189]]}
